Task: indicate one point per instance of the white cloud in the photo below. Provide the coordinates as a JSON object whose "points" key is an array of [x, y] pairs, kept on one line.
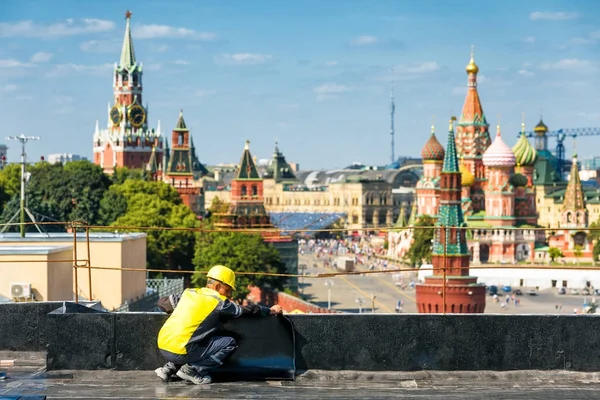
{"points": [[525, 72], [12, 63], [41, 57], [245, 58], [63, 100], [423, 68], [331, 63], [66, 69], [8, 88], [330, 90], [204, 93], [165, 31], [161, 48], [529, 40], [573, 64], [69, 27], [181, 62], [101, 46], [553, 15], [365, 40]]}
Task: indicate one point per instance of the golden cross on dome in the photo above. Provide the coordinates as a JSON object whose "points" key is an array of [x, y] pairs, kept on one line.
{"points": [[128, 14]]}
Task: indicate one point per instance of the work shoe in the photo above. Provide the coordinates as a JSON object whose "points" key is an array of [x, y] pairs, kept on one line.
{"points": [[166, 372], [188, 374]]}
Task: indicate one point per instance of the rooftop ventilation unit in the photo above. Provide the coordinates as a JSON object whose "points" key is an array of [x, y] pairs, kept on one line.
{"points": [[20, 290]]}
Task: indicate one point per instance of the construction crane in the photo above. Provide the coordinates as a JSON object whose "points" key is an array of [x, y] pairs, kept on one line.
{"points": [[541, 142]]}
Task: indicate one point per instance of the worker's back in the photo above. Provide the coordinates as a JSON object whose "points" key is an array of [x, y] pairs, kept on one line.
{"points": [[195, 317]]}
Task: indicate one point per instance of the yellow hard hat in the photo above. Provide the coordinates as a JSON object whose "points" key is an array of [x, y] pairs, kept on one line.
{"points": [[222, 274]]}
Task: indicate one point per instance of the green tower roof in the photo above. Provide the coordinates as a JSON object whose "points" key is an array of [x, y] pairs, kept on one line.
{"points": [[247, 170]]}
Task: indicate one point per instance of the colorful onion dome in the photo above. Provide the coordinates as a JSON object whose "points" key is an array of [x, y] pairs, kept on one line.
{"points": [[466, 177], [433, 150], [499, 154], [519, 180], [540, 129], [524, 150]]}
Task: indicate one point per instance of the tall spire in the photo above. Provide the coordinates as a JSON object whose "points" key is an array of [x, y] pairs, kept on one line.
{"points": [[247, 169], [127, 53], [450, 158], [392, 112], [181, 126], [472, 130], [450, 213], [574, 196]]}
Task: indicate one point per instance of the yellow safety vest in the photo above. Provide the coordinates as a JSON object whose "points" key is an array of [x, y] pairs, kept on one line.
{"points": [[195, 317]]}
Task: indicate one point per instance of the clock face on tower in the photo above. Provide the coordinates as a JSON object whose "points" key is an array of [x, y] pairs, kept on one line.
{"points": [[115, 115], [137, 115]]}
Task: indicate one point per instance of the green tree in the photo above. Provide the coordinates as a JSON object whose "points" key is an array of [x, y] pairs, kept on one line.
{"points": [[554, 253], [420, 249], [10, 179], [156, 205], [63, 193], [115, 202], [241, 252], [122, 174]]}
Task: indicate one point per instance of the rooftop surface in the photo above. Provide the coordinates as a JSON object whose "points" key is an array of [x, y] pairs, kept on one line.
{"points": [[13, 250], [28, 377]]}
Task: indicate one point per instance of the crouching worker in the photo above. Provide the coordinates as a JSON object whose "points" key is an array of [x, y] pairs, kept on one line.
{"points": [[190, 340]]}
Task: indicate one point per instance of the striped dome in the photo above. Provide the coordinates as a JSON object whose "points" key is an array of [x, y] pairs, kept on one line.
{"points": [[433, 149], [524, 151], [499, 154]]}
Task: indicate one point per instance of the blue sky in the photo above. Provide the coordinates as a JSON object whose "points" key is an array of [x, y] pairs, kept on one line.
{"points": [[313, 75]]}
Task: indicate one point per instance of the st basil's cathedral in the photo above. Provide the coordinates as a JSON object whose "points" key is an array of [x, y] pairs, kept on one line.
{"points": [[497, 185]]}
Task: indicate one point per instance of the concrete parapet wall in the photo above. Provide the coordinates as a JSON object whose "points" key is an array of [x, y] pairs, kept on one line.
{"points": [[367, 342]]}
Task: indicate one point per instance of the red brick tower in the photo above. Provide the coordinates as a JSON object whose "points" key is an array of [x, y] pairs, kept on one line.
{"points": [[462, 292], [181, 168], [473, 138], [246, 209], [127, 141]]}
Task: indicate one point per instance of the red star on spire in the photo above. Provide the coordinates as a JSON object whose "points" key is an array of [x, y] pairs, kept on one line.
{"points": [[128, 14]]}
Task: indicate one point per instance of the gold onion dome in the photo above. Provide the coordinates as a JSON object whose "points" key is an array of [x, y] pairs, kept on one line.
{"points": [[519, 180], [472, 68], [466, 177], [433, 149], [524, 150], [541, 128]]}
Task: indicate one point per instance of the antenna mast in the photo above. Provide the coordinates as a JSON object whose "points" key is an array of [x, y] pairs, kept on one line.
{"points": [[23, 206], [392, 112]]}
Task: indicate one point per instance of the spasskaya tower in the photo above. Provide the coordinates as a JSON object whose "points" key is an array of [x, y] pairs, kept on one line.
{"points": [[127, 140]]}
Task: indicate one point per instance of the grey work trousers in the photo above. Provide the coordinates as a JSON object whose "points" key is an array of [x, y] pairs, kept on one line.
{"points": [[205, 355]]}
